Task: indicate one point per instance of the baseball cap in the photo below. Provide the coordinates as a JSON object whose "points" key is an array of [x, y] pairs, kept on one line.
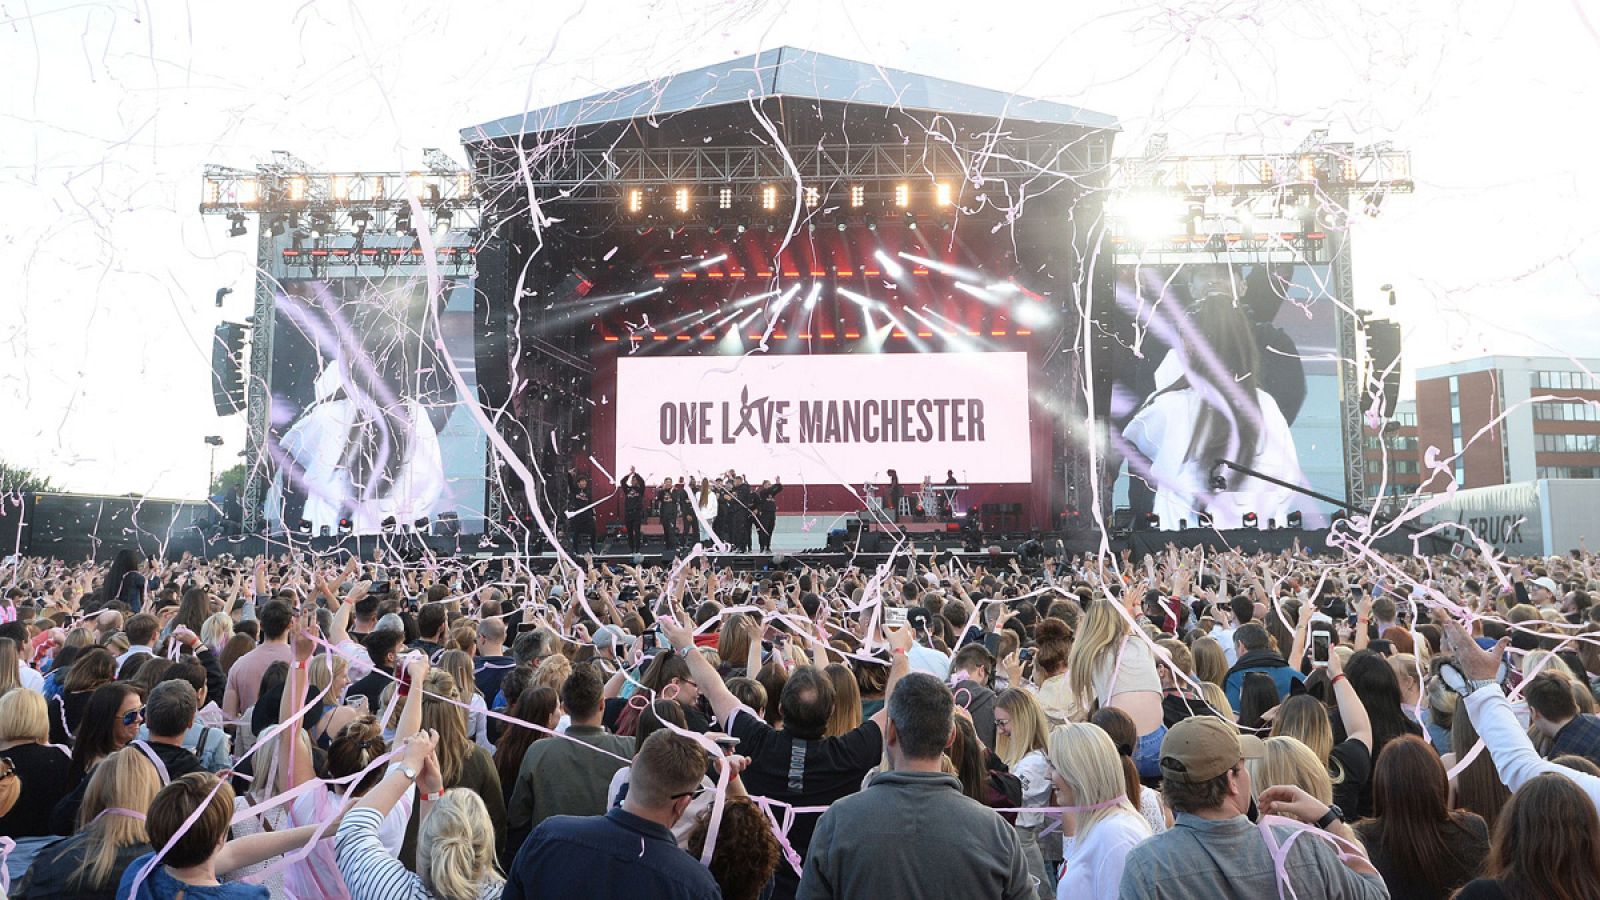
{"points": [[1200, 748], [1547, 583], [612, 636]]}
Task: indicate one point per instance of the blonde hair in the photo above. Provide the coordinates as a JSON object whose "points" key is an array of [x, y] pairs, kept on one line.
{"points": [[459, 664], [1210, 662], [24, 716], [552, 673], [449, 720], [1086, 760], [216, 630], [1029, 732], [1540, 661], [1217, 699], [324, 670], [1290, 762], [123, 780], [1103, 627], [455, 847], [846, 716], [10, 667]]}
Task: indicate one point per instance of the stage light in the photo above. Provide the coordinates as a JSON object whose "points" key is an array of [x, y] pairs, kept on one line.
{"points": [[769, 198], [813, 294], [346, 526], [1031, 314], [858, 195], [1205, 520], [1295, 520], [890, 268], [236, 227], [841, 226], [635, 200], [706, 264], [978, 292], [360, 219], [941, 194], [680, 200], [388, 525], [902, 195], [320, 225], [813, 197], [744, 224], [304, 526], [341, 187], [421, 524], [402, 220], [1147, 216], [276, 226], [248, 192], [322, 531], [1250, 520], [725, 198], [297, 188], [872, 223]]}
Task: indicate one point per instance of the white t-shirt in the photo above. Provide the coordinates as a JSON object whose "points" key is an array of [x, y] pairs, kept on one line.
{"points": [[1137, 672], [1093, 866], [1033, 770], [317, 875]]}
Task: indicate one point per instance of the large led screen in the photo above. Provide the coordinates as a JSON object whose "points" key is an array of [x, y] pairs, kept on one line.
{"points": [[366, 422], [1220, 361]]}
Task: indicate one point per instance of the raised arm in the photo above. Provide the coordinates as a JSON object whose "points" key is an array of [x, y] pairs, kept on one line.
{"points": [[411, 713], [1357, 724], [294, 756], [722, 700]]}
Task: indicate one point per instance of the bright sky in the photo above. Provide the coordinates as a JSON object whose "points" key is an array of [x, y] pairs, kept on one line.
{"points": [[110, 110]]}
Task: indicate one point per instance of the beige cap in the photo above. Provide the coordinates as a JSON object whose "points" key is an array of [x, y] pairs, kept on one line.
{"points": [[1202, 747]]}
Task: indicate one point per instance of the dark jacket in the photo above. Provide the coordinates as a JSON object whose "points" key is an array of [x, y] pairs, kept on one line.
{"points": [[914, 834], [617, 855], [1260, 661], [979, 702], [53, 870]]}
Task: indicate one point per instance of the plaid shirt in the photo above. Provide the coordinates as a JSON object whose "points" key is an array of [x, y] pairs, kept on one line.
{"points": [[1580, 737]]}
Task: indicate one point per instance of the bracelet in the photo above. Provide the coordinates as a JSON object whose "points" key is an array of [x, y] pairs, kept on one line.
{"points": [[302, 664], [900, 650], [1337, 677], [429, 798]]}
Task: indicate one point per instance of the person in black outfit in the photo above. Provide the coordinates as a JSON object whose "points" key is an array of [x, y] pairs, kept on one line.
{"points": [[744, 499], [633, 509], [582, 520], [895, 493], [690, 524], [668, 509], [767, 511], [947, 499]]}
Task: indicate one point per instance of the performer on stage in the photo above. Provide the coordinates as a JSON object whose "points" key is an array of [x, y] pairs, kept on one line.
{"points": [[668, 509], [706, 510], [744, 499], [947, 502], [767, 511], [582, 518], [895, 493], [633, 509]]}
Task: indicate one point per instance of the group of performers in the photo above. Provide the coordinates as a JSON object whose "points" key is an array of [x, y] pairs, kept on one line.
{"points": [[726, 509]]}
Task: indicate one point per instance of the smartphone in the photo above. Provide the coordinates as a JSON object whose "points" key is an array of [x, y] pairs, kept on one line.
{"points": [[1319, 648], [727, 742], [1025, 654], [894, 616]]}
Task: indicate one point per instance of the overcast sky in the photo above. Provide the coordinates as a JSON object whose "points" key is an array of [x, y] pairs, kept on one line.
{"points": [[110, 110]]}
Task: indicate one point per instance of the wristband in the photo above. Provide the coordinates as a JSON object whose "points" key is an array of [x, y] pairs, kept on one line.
{"points": [[429, 798], [1338, 677], [900, 650], [302, 664]]}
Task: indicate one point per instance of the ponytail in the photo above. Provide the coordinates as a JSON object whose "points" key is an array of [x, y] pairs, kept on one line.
{"points": [[455, 847]]}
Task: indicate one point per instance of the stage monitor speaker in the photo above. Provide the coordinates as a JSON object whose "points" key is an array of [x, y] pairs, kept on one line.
{"points": [[1383, 356]]}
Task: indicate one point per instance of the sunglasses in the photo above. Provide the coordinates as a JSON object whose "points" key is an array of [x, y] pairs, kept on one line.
{"points": [[694, 794], [133, 717]]}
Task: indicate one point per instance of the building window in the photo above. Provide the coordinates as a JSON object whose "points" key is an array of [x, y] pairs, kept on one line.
{"points": [[1407, 419], [1406, 467], [1569, 471], [1566, 381], [1569, 443], [1566, 412]]}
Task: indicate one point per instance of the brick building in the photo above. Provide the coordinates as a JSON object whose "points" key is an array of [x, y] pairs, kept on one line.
{"points": [[1512, 418], [1393, 456]]}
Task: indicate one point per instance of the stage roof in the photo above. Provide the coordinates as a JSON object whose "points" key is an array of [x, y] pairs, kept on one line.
{"points": [[788, 72]]}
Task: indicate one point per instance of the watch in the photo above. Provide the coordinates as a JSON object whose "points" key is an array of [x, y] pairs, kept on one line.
{"points": [[1334, 814], [408, 771]]}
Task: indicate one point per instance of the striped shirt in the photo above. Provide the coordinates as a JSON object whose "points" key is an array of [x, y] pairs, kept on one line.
{"points": [[372, 873]]}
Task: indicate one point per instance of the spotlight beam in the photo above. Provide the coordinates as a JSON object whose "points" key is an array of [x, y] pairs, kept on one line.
{"points": [[942, 267]]}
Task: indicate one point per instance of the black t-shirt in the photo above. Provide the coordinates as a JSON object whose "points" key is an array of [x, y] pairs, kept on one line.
{"points": [[803, 773], [180, 761], [1177, 706], [1466, 843], [1350, 794], [43, 771], [371, 686]]}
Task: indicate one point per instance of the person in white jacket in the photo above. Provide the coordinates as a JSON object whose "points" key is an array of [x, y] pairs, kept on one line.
{"points": [[1105, 826]]}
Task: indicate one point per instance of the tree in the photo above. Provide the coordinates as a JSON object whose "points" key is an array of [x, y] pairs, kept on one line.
{"points": [[20, 478], [228, 481]]}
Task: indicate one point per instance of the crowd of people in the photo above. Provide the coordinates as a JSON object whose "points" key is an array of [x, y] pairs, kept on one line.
{"points": [[1182, 725], [728, 509]]}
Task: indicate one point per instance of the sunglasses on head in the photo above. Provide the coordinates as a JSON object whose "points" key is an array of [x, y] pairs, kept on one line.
{"points": [[132, 716]]}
